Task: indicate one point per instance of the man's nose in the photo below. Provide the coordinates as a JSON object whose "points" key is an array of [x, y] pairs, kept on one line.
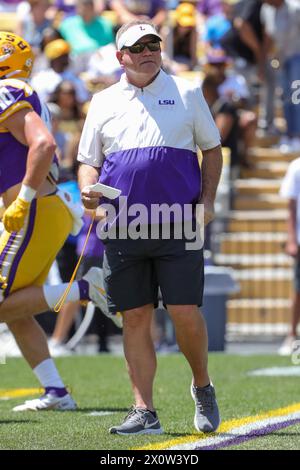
{"points": [[146, 51]]}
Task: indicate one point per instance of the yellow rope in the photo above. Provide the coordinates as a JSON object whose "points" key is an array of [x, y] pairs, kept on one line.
{"points": [[62, 300]]}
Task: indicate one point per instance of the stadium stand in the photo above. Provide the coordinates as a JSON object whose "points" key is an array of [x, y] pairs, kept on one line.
{"points": [[253, 245]]}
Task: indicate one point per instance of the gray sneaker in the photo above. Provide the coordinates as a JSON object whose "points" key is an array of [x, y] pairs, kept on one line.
{"points": [[207, 418], [138, 421]]}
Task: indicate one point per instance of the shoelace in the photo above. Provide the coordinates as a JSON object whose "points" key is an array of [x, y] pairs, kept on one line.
{"points": [[137, 415], [204, 399]]}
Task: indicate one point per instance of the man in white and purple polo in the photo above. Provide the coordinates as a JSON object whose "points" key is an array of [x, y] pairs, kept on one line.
{"points": [[141, 136]]}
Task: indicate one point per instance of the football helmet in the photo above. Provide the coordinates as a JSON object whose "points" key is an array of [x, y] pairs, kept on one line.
{"points": [[16, 56]]}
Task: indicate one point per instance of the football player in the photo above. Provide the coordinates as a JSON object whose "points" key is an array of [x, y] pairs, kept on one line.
{"points": [[37, 220]]}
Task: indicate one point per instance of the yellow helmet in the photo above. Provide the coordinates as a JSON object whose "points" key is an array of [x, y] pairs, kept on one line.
{"points": [[16, 56]]}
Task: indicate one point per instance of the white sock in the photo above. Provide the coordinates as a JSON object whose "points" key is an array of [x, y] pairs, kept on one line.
{"points": [[52, 294], [48, 375]]}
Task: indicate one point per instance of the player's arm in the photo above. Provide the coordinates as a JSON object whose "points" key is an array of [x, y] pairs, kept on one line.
{"points": [[28, 128], [87, 176]]}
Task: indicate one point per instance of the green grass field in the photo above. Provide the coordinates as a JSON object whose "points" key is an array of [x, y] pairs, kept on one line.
{"points": [[101, 384]]}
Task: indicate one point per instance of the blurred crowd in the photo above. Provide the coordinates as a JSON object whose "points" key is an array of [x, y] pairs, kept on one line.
{"points": [[240, 52]]}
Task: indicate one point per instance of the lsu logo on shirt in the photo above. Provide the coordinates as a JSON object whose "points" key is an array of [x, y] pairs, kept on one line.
{"points": [[166, 102]]}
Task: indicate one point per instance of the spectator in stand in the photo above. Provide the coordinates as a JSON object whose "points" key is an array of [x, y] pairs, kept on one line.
{"points": [[234, 89], [285, 29], [247, 42], [63, 8], [41, 62], [225, 116], [86, 32], [217, 25], [70, 123], [65, 97], [290, 189], [45, 81], [245, 38], [33, 23], [129, 10], [185, 37], [209, 8]]}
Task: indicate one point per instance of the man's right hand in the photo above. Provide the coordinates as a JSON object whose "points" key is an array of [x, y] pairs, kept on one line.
{"points": [[90, 199]]}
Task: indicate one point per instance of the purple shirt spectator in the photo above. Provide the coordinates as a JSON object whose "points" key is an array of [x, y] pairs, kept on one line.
{"points": [[210, 7], [144, 7], [65, 6]]}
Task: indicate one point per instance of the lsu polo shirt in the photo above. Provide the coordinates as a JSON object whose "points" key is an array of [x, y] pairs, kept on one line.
{"points": [[145, 140]]}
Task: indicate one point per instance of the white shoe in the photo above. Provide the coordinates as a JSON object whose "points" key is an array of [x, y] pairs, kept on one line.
{"points": [[288, 346], [97, 294], [57, 349], [49, 401]]}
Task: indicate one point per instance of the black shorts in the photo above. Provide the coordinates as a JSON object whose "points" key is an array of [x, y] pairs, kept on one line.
{"points": [[134, 269]]}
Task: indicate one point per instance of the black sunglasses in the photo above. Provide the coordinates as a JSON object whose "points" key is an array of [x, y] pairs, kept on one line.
{"points": [[139, 47]]}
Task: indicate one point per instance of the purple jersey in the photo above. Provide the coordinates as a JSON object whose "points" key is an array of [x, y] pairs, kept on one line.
{"points": [[14, 96], [144, 7], [210, 7]]}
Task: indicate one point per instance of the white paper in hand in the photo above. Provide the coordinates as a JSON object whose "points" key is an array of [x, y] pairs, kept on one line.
{"points": [[107, 191]]}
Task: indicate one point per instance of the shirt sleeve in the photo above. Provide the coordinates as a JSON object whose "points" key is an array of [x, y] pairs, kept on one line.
{"points": [[12, 99], [289, 187], [90, 145], [207, 135]]}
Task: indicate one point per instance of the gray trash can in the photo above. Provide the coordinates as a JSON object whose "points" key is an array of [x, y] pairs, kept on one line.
{"points": [[219, 282]]}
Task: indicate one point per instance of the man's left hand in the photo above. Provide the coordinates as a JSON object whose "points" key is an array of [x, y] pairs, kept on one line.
{"points": [[15, 214], [209, 211]]}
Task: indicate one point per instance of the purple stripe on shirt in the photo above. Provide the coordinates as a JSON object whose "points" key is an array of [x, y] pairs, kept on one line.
{"points": [[7, 247], [22, 248], [239, 439], [154, 175]]}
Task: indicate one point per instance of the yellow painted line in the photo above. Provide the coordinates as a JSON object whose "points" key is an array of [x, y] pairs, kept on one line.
{"points": [[224, 427], [18, 392]]}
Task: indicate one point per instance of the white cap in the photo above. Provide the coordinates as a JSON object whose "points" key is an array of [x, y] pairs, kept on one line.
{"points": [[134, 33]]}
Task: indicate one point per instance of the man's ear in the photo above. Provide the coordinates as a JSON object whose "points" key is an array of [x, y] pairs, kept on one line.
{"points": [[119, 56]]}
